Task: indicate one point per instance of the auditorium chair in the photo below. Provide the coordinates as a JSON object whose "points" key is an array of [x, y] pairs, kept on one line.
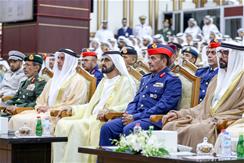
{"points": [[142, 67], [189, 98], [47, 72], [132, 71], [190, 67], [92, 87], [90, 78], [190, 90]]}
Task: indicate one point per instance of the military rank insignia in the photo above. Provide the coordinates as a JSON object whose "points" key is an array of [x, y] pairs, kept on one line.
{"points": [[159, 85], [31, 57], [154, 45], [154, 96], [31, 87], [124, 50]]}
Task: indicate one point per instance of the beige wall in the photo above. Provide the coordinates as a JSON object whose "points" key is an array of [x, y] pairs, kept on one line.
{"points": [[115, 10]]}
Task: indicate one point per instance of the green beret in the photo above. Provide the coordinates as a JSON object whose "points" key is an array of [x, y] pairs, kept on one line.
{"points": [[34, 58]]}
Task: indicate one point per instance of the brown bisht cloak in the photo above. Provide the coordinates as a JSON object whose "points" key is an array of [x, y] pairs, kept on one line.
{"points": [[201, 121]]}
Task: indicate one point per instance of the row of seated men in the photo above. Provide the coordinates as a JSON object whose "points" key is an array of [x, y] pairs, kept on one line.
{"points": [[159, 93]]}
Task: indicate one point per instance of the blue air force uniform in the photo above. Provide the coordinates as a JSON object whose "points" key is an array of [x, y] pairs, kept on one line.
{"points": [[206, 74], [97, 73], [158, 94], [124, 32]]}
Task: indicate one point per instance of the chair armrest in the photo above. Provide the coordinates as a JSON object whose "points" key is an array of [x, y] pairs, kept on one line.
{"points": [[21, 109], [2, 108], [6, 98], [156, 118], [55, 113], [113, 115], [224, 124]]}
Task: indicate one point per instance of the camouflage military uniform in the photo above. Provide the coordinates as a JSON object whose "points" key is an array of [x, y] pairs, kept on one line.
{"points": [[166, 32], [28, 92]]}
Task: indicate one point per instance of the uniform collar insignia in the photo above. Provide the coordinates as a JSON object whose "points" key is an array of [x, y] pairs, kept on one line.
{"points": [[162, 75]]}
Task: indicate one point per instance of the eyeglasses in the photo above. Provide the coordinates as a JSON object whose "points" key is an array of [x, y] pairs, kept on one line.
{"points": [[223, 53], [85, 60], [209, 51]]}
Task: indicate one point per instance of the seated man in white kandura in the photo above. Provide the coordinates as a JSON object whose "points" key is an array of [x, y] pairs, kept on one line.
{"points": [[67, 87], [113, 94]]}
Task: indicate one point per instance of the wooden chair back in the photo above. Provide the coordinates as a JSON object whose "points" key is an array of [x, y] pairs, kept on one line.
{"points": [[189, 66], [190, 87], [137, 75], [47, 72], [142, 67], [92, 80]]}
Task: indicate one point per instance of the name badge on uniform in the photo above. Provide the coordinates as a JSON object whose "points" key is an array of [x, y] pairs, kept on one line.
{"points": [[153, 96], [159, 85], [31, 87]]}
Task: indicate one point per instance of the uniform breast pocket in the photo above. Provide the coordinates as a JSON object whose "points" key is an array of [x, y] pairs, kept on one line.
{"points": [[29, 94], [156, 92]]}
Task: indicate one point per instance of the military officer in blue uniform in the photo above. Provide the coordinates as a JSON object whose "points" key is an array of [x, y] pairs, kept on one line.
{"points": [[159, 92], [124, 30], [89, 63], [190, 53], [207, 73], [30, 88]]}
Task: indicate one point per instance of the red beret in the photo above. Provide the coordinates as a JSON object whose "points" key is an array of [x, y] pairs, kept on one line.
{"points": [[154, 49], [214, 43], [90, 53]]}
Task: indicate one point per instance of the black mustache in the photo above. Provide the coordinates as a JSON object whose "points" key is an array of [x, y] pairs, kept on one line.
{"points": [[222, 60]]}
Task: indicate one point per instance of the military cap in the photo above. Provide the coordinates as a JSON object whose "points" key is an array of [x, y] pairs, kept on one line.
{"points": [[69, 51], [156, 49], [15, 55], [176, 44], [214, 43], [143, 17], [87, 52], [129, 50], [192, 50], [36, 58], [173, 47]]}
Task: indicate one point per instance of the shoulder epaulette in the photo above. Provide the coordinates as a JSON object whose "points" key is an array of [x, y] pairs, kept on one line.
{"points": [[172, 74], [40, 78], [201, 68], [146, 75]]}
